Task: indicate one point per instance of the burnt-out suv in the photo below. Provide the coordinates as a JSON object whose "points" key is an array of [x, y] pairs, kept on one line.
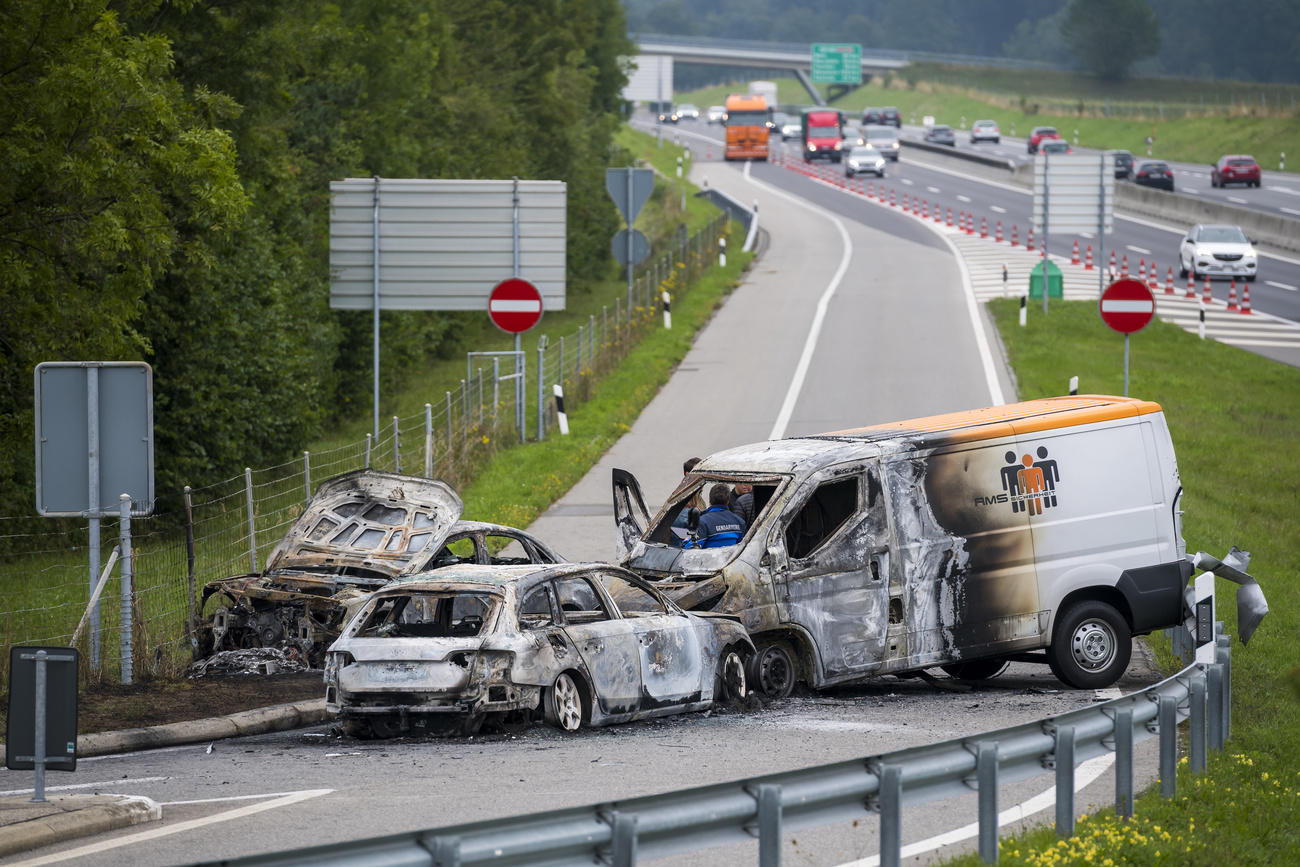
{"points": [[359, 531]]}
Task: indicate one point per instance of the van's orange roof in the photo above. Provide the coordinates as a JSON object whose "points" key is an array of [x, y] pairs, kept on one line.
{"points": [[1015, 418], [743, 100]]}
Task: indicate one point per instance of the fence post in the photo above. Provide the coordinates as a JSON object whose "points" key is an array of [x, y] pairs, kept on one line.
{"points": [[986, 778], [890, 797], [397, 448], [306, 475], [1196, 727], [577, 364], [370, 441], [124, 529], [591, 341], [541, 392], [248, 498], [1167, 717], [189, 566], [1124, 762], [769, 825], [428, 441], [449, 427], [1064, 756]]}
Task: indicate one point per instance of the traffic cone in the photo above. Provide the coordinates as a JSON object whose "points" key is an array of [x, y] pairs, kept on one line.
{"points": [[1123, 271], [937, 214], [998, 237], [1074, 256], [1153, 282], [1208, 297], [1142, 270], [1191, 285], [1169, 281], [1245, 298], [1015, 239], [1087, 263], [984, 227], [1232, 294], [921, 211], [871, 189], [970, 223], [1112, 261], [1029, 244], [950, 218]]}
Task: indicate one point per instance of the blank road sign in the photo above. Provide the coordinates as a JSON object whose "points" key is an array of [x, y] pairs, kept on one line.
{"points": [[121, 419]]}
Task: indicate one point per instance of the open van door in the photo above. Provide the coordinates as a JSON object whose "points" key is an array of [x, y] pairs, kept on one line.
{"points": [[630, 514]]}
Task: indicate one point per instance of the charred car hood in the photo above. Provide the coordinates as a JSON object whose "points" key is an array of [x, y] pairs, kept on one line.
{"points": [[342, 522]]}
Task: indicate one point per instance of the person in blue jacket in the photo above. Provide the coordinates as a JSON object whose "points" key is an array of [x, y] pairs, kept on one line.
{"points": [[718, 525]]}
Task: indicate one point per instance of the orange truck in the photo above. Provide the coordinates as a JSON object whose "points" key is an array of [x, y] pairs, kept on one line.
{"points": [[748, 121]]}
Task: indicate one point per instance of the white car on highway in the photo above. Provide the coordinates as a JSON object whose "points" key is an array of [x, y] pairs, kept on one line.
{"points": [[864, 159], [1217, 251], [717, 113], [985, 130]]}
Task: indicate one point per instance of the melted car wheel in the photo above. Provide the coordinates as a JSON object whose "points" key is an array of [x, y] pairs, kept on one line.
{"points": [[731, 684], [564, 704], [773, 671]]}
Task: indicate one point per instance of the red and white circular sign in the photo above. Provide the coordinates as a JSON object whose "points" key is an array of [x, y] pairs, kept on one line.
{"points": [[515, 305], [1127, 306]]}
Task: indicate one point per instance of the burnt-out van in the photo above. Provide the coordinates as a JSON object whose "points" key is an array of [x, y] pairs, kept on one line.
{"points": [[1043, 531]]}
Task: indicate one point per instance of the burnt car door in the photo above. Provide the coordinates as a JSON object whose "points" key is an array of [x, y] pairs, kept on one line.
{"points": [[630, 514], [833, 543], [606, 642], [673, 662]]}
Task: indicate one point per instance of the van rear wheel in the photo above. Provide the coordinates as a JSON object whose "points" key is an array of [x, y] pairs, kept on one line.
{"points": [[1091, 646]]}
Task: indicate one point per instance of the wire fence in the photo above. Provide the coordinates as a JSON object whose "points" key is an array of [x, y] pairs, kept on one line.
{"points": [[230, 528]]}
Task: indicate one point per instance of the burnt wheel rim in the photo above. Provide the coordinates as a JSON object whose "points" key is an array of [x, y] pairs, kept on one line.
{"points": [[775, 673], [733, 676], [568, 704], [1093, 645]]}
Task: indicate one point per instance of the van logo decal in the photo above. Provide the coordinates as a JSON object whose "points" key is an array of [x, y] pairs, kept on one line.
{"points": [[1029, 485]]}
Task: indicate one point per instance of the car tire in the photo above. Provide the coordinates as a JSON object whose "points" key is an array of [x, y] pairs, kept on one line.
{"points": [[731, 680], [997, 140], [1250, 278], [1091, 645], [772, 671], [1182, 270], [564, 708], [976, 669]]}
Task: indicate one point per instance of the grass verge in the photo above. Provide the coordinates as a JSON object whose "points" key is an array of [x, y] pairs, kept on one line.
{"points": [[1233, 417]]}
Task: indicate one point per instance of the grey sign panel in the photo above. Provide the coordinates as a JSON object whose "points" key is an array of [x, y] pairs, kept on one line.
{"points": [[60, 709], [443, 244], [643, 184], [123, 418], [640, 247], [1080, 192]]}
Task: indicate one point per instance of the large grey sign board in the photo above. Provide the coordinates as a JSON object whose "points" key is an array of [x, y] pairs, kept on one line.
{"points": [[443, 244], [650, 78], [629, 198], [1080, 190], [121, 418]]}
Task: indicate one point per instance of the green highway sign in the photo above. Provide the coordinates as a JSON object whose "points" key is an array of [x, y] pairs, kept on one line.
{"points": [[836, 63]]}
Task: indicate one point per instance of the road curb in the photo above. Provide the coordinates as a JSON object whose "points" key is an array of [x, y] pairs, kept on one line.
{"points": [[74, 821], [274, 718]]}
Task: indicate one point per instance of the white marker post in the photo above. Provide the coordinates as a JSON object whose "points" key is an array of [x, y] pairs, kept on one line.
{"points": [[560, 415], [1074, 385], [668, 311], [1024, 301], [722, 252]]}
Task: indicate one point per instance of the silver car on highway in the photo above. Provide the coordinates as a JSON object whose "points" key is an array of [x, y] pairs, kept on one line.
{"points": [[574, 644], [1217, 251], [884, 139]]}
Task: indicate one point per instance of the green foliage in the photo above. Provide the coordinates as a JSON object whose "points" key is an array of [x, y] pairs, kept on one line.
{"points": [[1108, 36], [166, 193]]}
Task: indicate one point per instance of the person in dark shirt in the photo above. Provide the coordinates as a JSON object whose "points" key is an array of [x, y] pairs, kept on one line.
{"points": [[742, 502], [681, 522], [719, 526]]}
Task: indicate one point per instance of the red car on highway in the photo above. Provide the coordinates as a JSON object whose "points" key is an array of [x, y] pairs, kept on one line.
{"points": [[1235, 169], [1041, 134]]}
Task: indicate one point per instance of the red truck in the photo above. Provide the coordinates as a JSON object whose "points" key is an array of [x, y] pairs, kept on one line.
{"points": [[823, 135]]}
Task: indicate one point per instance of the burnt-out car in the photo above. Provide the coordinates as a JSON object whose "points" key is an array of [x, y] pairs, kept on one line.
{"points": [[360, 531], [574, 644]]}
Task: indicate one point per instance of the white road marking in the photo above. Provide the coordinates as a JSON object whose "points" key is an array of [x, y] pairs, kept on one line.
{"points": [[179, 827], [932, 189], [1084, 775], [1289, 211], [1237, 200], [963, 198], [1191, 190], [227, 798], [1286, 190], [1287, 286], [111, 784], [138, 753], [1143, 250], [907, 181], [814, 331], [997, 209]]}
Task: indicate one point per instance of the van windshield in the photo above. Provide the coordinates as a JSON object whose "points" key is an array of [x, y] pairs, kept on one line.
{"points": [[748, 498]]}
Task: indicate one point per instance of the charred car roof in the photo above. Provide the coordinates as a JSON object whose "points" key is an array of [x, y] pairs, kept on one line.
{"points": [[492, 578]]}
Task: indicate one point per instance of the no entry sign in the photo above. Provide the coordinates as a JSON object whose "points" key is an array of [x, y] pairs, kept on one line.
{"points": [[1127, 306], [515, 305]]}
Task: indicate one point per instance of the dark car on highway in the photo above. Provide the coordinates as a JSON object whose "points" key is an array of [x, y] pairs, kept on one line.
{"points": [[1123, 164], [889, 116], [1235, 169], [941, 134], [873, 116], [1153, 173]]}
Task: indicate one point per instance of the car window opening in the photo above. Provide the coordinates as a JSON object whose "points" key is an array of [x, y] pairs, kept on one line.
{"points": [[817, 520], [579, 601], [673, 530], [427, 615]]}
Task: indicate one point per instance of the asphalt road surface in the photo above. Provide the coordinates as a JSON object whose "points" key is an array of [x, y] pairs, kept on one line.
{"points": [[853, 315]]}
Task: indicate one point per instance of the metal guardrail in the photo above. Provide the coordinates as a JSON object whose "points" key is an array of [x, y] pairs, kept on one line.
{"points": [[969, 156], [656, 826], [747, 216]]}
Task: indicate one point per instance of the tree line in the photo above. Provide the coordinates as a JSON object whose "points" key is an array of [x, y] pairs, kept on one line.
{"points": [[165, 193]]}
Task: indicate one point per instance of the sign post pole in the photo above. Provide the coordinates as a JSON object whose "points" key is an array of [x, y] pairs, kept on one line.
{"points": [[630, 260], [375, 302], [92, 455], [1046, 221], [1126, 365], [38, 754]]}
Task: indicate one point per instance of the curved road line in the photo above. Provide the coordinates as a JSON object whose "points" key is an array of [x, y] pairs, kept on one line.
{"points": [[815, 330]]}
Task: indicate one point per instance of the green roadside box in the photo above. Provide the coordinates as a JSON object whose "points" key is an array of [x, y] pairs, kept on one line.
{"points": [[1055, 282]]}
